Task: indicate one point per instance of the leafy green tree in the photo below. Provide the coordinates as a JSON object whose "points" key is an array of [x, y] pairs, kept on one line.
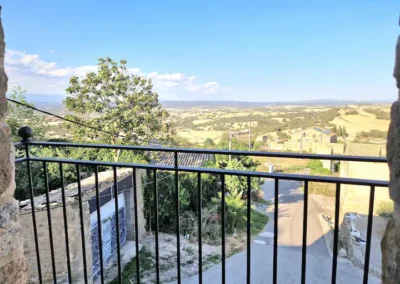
{"points": [[236, 184], [123, 105], [209, 143], [19, 116]]}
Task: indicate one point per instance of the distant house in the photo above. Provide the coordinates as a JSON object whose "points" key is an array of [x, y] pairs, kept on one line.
{"points": [[355, 198], [314, 134]]}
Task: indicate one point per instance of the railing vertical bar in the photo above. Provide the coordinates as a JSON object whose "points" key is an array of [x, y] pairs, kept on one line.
{"points": [[276, 211], [156, 218], [336, 233], [200, 195], [53, 262], [136, 227], [99, 226], [223, 226], [28, 163], [78, 175], [369, 232], [178, 225], [64, 201], [117, 223], [248, 230], [304, 247]]}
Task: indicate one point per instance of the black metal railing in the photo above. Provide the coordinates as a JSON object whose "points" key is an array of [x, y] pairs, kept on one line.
{"points": [[176, 169]]}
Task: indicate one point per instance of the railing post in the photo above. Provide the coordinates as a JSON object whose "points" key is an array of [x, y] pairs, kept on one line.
{"points": [[26, 133], [177, 212]]}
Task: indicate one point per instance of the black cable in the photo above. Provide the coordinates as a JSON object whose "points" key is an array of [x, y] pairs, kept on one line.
{"points": [[63, 118], [94, 128]]}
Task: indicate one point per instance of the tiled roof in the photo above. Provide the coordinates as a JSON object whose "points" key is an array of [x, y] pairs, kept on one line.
{"points": [[315, 128], [323, 131], [184, 159], [359, 149]]}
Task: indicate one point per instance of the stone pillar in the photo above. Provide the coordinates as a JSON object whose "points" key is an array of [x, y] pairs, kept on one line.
{"points": [[13, 266], [130, 208], [391, 239]]}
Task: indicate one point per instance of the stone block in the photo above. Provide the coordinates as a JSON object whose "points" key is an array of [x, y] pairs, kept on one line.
{"points": [[9, 213], [11, 240], [7, 183], [14, 272], [393, 153], [390, 246]]}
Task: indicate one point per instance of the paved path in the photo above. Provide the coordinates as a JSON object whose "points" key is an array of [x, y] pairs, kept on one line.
{"points": [[319, 264]]}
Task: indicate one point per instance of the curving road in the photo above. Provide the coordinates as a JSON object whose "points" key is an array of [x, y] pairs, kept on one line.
{"points": [[290, 228]]}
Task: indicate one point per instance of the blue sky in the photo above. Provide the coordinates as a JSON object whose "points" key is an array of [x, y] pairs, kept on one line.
{"points": [[210, 50]]}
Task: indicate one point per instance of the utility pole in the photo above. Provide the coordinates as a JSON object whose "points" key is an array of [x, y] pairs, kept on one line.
{"points": [[230, 143], [301, 141], [250, 133]]}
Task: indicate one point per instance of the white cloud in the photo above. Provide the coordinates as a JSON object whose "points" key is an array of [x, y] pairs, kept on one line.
{"points": [[39, 76], [52, 51]]}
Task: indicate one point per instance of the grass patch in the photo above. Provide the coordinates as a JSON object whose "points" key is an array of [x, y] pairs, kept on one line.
{"points": [[318, 188], [147, 266], [258, 222], [385, 209], [214, 258]]}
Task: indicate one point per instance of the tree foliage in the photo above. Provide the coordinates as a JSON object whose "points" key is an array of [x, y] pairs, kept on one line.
{"points": [[236, 184], [188, 197], [19, 116], [123, 105]]}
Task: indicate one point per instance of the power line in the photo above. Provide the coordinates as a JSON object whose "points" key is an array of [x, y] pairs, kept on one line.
{"points": [[63, 118], [94, 128]]}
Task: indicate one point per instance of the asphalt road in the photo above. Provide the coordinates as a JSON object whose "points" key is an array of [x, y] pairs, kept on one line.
{"points": [[290, 217], [290, 228]]}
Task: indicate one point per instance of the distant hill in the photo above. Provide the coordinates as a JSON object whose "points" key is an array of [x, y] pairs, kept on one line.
{"points": [[181, 104], [54, 102]]}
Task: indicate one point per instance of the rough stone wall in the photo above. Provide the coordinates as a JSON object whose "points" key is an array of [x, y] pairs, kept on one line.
{"points": [[75, 244], [391, 240], [13, 266]]}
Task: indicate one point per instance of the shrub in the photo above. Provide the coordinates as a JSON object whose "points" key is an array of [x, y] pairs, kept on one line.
{"points": [[373, 134], [257, 195], [235, 211], [327, 189], [188, 197], [317, 167], [351, 112], [379, 114], [210, 225], [385, 209]]}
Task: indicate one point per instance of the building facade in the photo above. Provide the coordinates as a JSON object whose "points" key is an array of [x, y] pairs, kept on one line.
{"points": [[314, 134], [108, 211]]}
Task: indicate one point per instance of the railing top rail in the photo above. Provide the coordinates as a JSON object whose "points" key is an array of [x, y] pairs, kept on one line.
{"points": [[213, 151], [296, 177]]}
